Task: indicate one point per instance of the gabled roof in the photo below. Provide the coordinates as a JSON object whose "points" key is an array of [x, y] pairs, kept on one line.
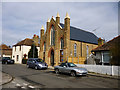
{"points": [[6, 50], [82, 35], [3, 46], [27, 42], [108, 45]]}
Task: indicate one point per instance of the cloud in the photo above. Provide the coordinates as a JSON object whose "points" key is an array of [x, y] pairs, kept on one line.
{"points": [[22, 20]]}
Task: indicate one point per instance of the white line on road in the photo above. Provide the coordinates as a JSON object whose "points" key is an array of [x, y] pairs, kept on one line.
{"points": [[18, 84], [13, 82], [22, 87], [25, 84], [30, 86]]}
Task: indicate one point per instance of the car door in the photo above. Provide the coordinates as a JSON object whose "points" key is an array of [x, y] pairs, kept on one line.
{"points": [[65, 68], [33, 63], [61, 67], [29, 62]]}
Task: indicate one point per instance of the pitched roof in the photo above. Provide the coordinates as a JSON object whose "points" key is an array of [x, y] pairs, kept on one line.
{"points": [[108, 45], [27, 42], [3, 46], [4, 49], [82, 35]]}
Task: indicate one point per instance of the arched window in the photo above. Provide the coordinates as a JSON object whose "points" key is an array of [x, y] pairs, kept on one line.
{"points": [[62, 43], [52, 36], [44, 46], [87, 50], [75, 50]]}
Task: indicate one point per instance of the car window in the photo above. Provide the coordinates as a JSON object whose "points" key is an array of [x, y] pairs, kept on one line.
{"points": [[71, 65], [39, 60], [6, 58], [63, 64]]}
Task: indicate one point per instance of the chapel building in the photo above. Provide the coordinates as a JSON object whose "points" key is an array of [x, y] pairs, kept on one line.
{"points": [[62, 42]]}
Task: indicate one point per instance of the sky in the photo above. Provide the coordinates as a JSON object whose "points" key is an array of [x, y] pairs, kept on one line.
{"points": [[22, 20]]}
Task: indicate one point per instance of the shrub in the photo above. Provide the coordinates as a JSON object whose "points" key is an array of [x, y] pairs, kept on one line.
{"points": [[24, 61]]}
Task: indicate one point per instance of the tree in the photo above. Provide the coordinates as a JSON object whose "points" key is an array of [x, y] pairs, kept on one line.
{"points": [[33, 53]]}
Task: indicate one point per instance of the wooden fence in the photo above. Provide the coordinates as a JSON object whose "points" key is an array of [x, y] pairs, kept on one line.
{"points": [[77, 60]]}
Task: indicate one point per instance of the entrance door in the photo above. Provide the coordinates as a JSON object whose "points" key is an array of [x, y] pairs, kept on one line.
{"points": [[52, 58]]}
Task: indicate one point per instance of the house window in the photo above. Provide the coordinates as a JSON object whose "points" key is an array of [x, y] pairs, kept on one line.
{"points": [[106, 58], [15, 48], [52, 36], [20, 48], [17, 57], [62, 43], [75, 50]]}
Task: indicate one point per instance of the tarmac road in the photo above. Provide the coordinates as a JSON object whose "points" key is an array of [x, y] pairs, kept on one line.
{"points": [[24, 77]]}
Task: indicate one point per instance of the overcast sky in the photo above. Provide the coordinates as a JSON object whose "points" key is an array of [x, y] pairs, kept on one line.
{"points": [[23, 20]]}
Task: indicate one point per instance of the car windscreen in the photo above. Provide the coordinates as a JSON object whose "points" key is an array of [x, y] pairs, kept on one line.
{"points": [[39, 60], [71, 65], [6, 58]]}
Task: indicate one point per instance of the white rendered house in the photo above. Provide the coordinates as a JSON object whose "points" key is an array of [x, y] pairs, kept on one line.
{"points": [[22, 48]]}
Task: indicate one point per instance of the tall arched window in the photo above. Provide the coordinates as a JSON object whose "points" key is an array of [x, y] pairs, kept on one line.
{"points": [[75, 50], [87, 50], [52, 36], [44, 46], [62, 43]]}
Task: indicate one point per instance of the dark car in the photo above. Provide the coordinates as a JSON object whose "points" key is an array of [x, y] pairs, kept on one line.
{"points": [[70, 68], [36, 63], [7, 60]]}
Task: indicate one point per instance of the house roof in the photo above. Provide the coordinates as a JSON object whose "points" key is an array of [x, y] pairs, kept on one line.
{"points": [[108, 45], [27, 42], [3, 46], [82, 35], [6, 50]]}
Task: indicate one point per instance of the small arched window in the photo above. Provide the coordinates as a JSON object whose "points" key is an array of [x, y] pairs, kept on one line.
{"points": [[52, 35], [75, 50], [62, 43]]}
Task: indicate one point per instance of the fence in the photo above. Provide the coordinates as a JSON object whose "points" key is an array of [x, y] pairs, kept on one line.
{"points": [[109, 70], [77, 60]]}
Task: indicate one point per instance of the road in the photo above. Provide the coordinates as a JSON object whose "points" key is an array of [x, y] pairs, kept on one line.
{"points": [[30, 78]]}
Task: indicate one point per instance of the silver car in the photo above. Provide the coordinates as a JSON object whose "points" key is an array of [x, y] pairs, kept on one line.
{"points": [[70, 68], [36, 63]]}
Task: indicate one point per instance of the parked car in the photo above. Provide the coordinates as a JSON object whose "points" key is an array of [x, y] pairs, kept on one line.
{"points": [[36, 63], [7, 60], [71, 69]]}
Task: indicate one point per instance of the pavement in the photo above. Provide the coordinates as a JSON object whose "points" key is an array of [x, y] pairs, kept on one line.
{"points": [[6, 78], [96, 74]]}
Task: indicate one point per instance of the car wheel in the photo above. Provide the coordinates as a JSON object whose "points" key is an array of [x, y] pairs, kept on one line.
{"points": [[36, 67], [28, 66], [73, 73], [6, 62], [57, 71]]}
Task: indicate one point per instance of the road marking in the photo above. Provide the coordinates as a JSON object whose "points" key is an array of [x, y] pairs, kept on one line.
{"points": [[30, 86], [25, 84], [18, 84], [13, 82], [22, 87]]}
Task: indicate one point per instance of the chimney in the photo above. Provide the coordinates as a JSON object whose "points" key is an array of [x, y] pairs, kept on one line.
{"points": [[101, 41], [36, 39]]}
